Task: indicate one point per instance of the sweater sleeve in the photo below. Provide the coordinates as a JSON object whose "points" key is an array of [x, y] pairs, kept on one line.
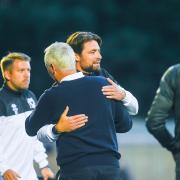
{"points": [[40, 116], [130, 102], [46, 135], [123, 121]]}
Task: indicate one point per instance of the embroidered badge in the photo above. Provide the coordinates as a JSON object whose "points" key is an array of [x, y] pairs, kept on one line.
{"points": [[31, 103], [14, 108]]}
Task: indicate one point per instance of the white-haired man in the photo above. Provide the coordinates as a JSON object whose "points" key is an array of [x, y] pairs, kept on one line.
{"points": [[91, 152]]}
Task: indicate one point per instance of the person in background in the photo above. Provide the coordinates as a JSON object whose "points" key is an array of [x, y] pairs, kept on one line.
{"points": [[17, 149], [166, 104], [90, 152]]}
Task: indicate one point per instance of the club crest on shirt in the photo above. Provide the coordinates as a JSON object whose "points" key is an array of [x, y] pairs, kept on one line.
{"points": [[31, 103], [14, 108]]}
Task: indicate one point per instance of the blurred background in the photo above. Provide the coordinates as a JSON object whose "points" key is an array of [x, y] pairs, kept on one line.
{"points": [[140, 41]]}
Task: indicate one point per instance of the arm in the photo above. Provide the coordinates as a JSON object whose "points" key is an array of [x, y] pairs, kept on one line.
{"points": [[114, 91], [40, 116], [123, 121], [8, 174], [40, 157], [160, 110], [3, 166], [64, 124]]}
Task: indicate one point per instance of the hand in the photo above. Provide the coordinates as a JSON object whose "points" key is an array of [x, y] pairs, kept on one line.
{"points": [[47, 173], [113, 91], [70, 123], [11, 175]]}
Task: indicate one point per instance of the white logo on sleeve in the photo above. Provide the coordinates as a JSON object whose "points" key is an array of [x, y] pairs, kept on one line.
{"points": [[14, 108], [31, 103]]}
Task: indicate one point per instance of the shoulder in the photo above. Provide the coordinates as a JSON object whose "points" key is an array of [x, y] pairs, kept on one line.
{"points": [[104, 72], [4, 94], [172, 72], [48, 94], [97, 80], [1, 92], [29, 94]]}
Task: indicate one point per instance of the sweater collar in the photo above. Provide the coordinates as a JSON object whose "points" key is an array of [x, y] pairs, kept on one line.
{"points": [[72, 77], [20, 92]]}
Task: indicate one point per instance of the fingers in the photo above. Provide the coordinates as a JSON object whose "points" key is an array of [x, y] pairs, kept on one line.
{"points": [[108, 88], [77, 121], [65, 111], [78, 117], [77, 126], [109, 91], [68, 124], [11, 175], [47, 173], [110, 81], [45, 178]]}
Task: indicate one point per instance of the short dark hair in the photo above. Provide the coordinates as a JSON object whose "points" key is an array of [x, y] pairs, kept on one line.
{"points": [[7, 61], [77, 40]]}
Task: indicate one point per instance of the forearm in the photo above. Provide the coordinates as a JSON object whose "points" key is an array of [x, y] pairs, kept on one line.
{"points": [[40, 155], [162, 134], [3, 164], [131, 103], [156, 121], [123, 121], [46, 135], [30, 128]]}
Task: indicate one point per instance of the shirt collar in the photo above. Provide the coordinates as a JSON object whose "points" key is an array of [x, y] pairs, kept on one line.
{"points": [[19, 92], [72, 76]]}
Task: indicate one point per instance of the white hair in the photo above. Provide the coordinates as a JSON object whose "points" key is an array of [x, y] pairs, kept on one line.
{"points": [[61, 55]]}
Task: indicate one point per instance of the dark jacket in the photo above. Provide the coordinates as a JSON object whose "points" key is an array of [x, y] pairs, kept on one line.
{"points": [[103, 72], [166, 103]]}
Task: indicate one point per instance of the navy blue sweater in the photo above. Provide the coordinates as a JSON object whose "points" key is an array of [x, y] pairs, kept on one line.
{"points": [[96, 142]]}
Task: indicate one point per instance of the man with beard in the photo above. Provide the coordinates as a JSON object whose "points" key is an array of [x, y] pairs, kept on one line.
{"points": [[86, 46]]}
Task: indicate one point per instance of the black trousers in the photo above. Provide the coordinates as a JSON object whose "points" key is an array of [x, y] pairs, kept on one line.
{"points": [[177, 162], [93, 173]]}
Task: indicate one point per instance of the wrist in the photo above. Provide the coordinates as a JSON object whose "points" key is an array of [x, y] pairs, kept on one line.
{"points": [[55, 131]]}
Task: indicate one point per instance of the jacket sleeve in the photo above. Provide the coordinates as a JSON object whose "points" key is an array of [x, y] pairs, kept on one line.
{"points": [[130, 102], [40, 155], [160, 110], [123, 121], [46, 135], [3, 164], [39, 117]]}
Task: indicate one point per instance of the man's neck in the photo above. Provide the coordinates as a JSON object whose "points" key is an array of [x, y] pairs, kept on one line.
{"points": [[11, 87], [79, 69], [65, 73]]}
